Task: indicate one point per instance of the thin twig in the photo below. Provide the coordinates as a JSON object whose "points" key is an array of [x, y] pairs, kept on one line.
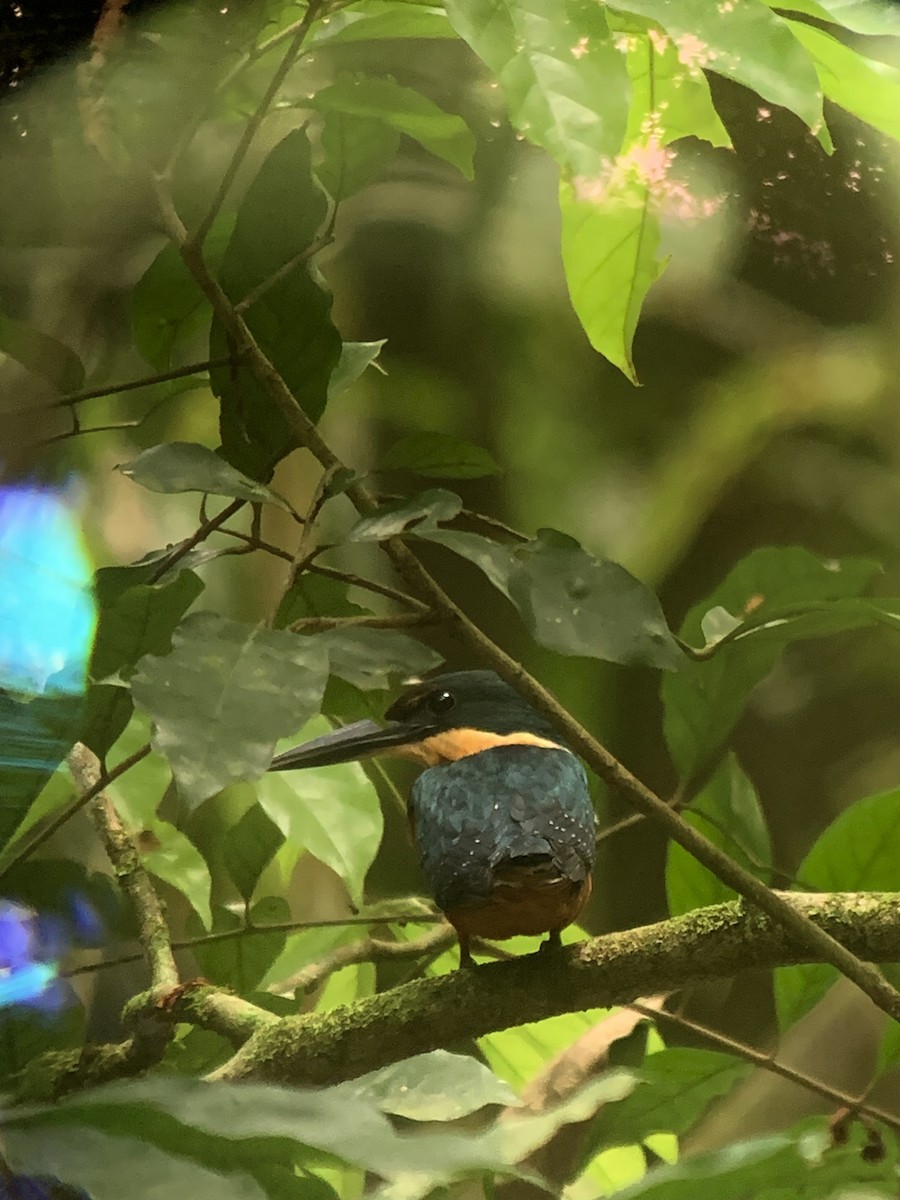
{"points": [[133, 385], [313, 9], [229, 935], [107, 777], [371, 585], [397, 621], [199, 535], [153, 932], [366, 950], [768, 1062], [319, 242]]}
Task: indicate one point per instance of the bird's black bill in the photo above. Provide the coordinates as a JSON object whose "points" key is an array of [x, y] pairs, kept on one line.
{"points": [[359, 740]]}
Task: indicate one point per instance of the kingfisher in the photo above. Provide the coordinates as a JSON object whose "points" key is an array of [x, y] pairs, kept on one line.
{"points": [[501, 816]]}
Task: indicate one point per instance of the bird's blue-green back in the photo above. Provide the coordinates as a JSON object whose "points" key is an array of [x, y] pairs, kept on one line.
{"points": [[512, 802]]}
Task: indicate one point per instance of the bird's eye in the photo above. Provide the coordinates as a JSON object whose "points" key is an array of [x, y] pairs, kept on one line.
{"points": [[441, 702]]}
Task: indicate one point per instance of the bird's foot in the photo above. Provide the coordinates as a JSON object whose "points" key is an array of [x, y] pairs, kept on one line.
{"points": [[552, 944], [465, 954]]}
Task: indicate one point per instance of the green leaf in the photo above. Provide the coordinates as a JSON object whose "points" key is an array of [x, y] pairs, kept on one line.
{"points": [[432, 1087], [743, 41], [574, 603], [373, 659], [110, 1167], [316, 596], [726, 811], [281, 214], [443, 134], [863, 86], [190, 467], [171, 857], [250, 844], [673, 99], [570, 601], [610, 244], [333, 812], [704, 701], [356, 151], [41, 354], [565, 82], [439, 456], [422, 511], [496, 561], [224, 696], [517, 1055], [861, 16], [135, 618], [856, 853], [676, 1087], [241, 962], [355, 357], [167, 305], [388, 21]]}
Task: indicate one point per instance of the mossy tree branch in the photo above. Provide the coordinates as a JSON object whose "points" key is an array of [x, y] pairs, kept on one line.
{"points": [[704, 945]]}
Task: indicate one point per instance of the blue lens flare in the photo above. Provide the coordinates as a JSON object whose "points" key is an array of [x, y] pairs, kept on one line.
{"points": [[28, 966], [47, 611]]}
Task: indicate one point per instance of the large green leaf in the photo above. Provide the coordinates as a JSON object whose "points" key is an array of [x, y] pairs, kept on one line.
{"points": [[333, 812], [570, 601], [242, 962], [444, 134], [676, 1087], [189, 467], [439, 456], [358, 24], [518, 1055], [668, 98], [167, 305], [744, 41], [432, 1087], [171, 857], [223, 697], [863, 86], [610, 247], [135, 618], [355, 357], [356, 151], [566, 83], [391, 520], [705, 699], [250, 845], [109, 1167], [280, 216], [856, 853], [41, 354], [376, 658], [577, 604], [727, 812], [879, 17]]}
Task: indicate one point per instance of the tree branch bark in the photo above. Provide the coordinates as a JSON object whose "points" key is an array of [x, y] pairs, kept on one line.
{"points": [[710, 943]]}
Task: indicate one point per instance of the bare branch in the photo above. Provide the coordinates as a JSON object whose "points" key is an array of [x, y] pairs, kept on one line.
{"points": [[367, 950], [200, 535], [133, 385]]}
